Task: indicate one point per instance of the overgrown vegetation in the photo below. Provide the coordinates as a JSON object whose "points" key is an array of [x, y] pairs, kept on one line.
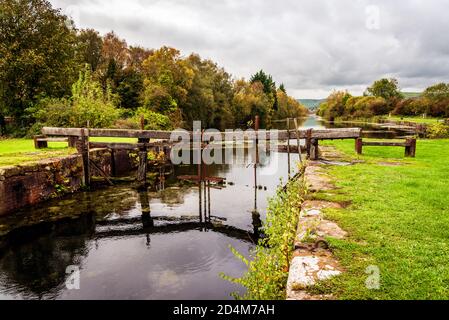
{"points": [[398, 221], [268, 265], [42, 53], [438, 131]]}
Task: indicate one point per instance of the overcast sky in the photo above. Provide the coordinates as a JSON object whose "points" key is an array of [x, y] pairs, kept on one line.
{"points": [[312, 46]]}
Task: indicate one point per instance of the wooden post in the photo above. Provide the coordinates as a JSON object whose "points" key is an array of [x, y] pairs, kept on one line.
{"points": [[72, 141], [314, 151], [410, 149], [358, 145], [142, 122], [308, 142], [85, 154], [40, 144]]}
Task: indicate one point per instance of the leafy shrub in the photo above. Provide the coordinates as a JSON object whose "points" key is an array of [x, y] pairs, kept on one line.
{"points": [[438, 130], [153, 120], [89, 103], [267, 273]]}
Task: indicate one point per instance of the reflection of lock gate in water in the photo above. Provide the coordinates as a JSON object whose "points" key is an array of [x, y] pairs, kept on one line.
{"points": [[164, 143]]}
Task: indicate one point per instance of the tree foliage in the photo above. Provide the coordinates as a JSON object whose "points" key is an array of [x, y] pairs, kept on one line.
{"points": [[385, 88], [37, 54], [89, 103]]}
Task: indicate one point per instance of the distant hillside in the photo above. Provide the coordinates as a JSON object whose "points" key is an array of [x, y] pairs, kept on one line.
{"points": [[310, 103]]}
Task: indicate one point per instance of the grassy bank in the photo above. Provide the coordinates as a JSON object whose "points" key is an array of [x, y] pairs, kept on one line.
{"points": [[18, 151], [415, 119], [398, 220]]}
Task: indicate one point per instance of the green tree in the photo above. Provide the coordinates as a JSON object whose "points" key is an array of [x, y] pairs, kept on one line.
{"points": [[37, 54], [385, 88], [282, 88], [210, 96], [130, 82]]}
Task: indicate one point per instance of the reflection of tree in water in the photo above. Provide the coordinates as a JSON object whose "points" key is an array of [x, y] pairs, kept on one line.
{"points": [[35, 262]]}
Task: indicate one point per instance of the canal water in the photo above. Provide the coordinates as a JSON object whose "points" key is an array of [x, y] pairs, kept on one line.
{"points": [[168, 242]]}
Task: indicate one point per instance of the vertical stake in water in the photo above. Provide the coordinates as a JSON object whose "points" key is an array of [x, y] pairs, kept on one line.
{"points": [[85, 155], [143, 158], [200, 169], [256, 129]]}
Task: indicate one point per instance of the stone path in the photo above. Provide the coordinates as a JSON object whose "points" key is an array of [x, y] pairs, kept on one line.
{"points": [[312, 260]]}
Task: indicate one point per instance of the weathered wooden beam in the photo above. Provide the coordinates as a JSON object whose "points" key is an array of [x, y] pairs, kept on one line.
{"points": [[293, 149], [50, 131], [101, 172], [321, 134]]}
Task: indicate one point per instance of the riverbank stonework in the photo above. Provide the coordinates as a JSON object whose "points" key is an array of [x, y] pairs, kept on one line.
{"points": [[312, 260], [29, 184]]}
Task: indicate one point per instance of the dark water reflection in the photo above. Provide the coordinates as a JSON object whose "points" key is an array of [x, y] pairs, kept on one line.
{"points": [[140, 245]]}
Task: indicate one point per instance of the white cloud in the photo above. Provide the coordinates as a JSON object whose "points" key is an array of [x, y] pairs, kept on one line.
{"points": [[311, 46]]}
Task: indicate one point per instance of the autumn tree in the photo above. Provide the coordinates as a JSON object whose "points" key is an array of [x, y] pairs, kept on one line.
{"points": [[210, 96], [89, 48], [37, 54], [250, 100], [167, 81], [335, 105], [289, 107], [114, 58]]}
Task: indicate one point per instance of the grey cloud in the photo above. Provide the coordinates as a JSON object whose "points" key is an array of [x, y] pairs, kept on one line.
{"points": [[311, 46]]}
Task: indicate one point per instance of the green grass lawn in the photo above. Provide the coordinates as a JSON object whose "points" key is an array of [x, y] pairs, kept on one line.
{"points": [[398, 220], [18, 151], [415, 119]]}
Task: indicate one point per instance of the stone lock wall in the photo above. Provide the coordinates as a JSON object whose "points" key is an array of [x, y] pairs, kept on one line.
{"points": [[28, 184]]}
